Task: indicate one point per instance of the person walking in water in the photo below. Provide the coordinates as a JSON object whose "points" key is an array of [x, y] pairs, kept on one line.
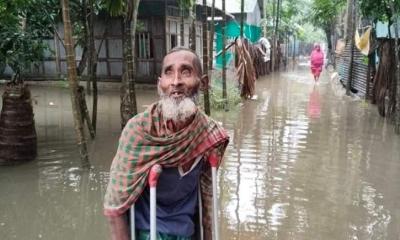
{"points": [[317, 61]]}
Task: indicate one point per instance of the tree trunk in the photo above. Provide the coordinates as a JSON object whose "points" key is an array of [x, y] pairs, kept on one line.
{"points": [[182, 9], [396, 81], [384, 76], [193, 28], [85, 111], [83, 62], [224, 92], [294, 48], [211, 49], [351, 32], [371, 71], [328, 34], [276, 35], [330, 54], [87, 4], [132, 92], [273, 45], [241, 18], [84, 57], [73, 82], [128, 95], [205, 57], [92, 62], [348, 23], [18, 140], [264, 16]]}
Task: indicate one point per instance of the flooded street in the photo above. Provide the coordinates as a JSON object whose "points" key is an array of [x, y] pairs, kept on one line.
{"points": [[303, 163]]}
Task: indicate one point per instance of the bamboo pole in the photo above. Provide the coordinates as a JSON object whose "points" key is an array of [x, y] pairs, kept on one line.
{"points": [[273, 45], [265, 17], [182, 25], [128, 107], [241, 18], [211, 49], [224, 91], [92, 65], [193, 28], [205, 58]]}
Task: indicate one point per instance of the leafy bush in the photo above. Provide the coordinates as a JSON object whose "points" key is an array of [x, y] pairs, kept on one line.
{"points": [[24, 24]]}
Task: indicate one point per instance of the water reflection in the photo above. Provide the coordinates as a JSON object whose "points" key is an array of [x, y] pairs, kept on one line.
{"points": [[53, 197], [296, 168], [314, 104]]}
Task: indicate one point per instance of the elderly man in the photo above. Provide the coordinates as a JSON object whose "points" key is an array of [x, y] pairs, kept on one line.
{"points": [[174, 133]]}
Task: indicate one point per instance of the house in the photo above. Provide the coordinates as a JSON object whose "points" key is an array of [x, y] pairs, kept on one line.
{"points": [[158, 31], [251, 24]]}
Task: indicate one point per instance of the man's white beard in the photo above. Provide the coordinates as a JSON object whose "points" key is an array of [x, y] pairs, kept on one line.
{"points": [[177, 110]]}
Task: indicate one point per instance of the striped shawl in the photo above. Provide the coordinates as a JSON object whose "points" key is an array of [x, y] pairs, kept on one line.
{"points": [[145, 141]]}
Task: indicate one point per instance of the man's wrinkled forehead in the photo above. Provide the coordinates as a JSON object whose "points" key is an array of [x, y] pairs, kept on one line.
{"points": [[183, 55]]}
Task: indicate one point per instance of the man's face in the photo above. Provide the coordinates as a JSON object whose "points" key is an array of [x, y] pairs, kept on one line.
{"points": [[179, 78]]}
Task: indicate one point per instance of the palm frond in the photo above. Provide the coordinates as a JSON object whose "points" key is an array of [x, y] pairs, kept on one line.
{"points": [[115, 7]]}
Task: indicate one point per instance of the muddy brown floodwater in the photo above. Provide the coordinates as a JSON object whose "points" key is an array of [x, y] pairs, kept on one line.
{"points": [[303, 163]]}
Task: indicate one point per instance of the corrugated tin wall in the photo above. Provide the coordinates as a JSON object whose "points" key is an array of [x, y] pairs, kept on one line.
{"points": [[359, 72]]}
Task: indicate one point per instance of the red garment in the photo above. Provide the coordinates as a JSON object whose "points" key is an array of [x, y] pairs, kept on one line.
{"points": [[316, 71], [317, 61]]}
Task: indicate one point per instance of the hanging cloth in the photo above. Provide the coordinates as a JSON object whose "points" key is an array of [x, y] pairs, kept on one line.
{"points": [[362, 42]]}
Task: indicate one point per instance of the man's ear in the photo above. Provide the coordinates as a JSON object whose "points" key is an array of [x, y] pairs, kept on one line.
{"points": [[204, 82]]}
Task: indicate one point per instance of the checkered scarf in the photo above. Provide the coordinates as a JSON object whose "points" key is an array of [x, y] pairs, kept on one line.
{"points": [[145, 141]]}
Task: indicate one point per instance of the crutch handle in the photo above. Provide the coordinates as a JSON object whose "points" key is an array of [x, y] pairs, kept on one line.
{"points": [[155, 172], [213, 160]]}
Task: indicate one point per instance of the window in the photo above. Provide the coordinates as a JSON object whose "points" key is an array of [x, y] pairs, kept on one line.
{"points": [[144, 48], [174, 42]]}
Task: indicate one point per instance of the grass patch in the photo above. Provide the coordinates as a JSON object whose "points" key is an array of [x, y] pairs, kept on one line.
{"points": [[216, 100]]}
